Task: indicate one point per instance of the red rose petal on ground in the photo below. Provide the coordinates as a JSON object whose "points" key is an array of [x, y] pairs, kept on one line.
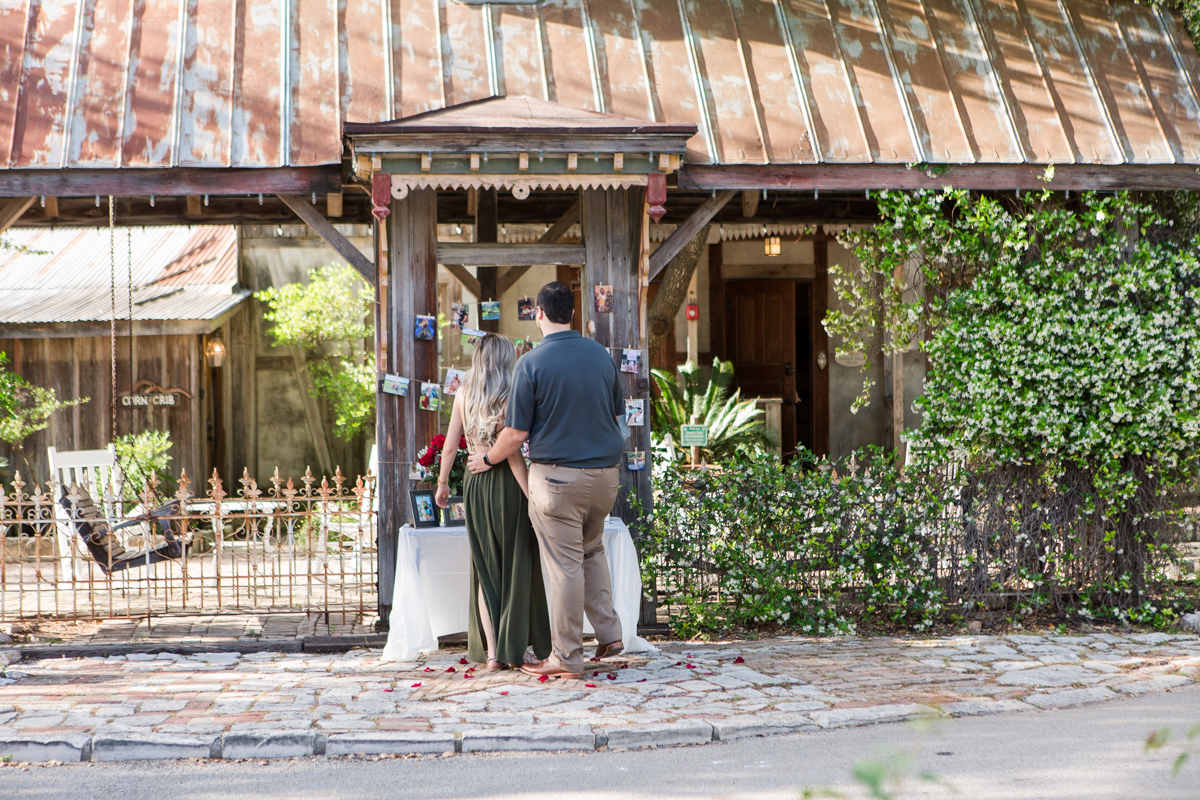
{"points": [[739, 660], [691, 666], [504, 693], [612, 676], [594, 674], [642, 680], [451, 669], [462, 661], [428, 669], [467, 675], [678, 663], [415, 685], [543, 679], [387, 690], [624, 666], [590, 685]]}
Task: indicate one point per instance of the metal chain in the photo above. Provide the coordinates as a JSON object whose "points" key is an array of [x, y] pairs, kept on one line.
{"points": [[112, 266], [129, 252]]}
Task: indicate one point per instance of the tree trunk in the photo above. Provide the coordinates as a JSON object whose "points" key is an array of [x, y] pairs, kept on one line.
{"points": [[675, 281]]}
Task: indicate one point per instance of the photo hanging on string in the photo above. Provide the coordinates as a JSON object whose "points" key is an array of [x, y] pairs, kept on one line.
{"points": [[635, 413], [604, 299], [430, 398], [631, 361], [426, 328], [471, 337], [636, 460], [454, 379], [526, 310], [459, 313], [489, 310]]}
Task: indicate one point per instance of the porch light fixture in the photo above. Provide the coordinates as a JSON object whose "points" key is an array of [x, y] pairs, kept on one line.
{"points": [[771, 246], [215, 350]]}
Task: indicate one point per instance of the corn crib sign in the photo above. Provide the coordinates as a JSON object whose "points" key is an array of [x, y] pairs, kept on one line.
{"points": [[98, 552]]}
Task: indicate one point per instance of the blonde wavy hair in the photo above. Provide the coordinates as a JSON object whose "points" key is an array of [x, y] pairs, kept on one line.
{"points": [[485, 389]]}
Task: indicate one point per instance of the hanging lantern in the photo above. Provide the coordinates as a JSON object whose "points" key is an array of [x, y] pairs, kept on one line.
{"points": [[771, 245], [215, 351]]}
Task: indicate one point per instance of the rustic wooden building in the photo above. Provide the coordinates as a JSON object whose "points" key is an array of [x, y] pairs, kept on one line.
{"points": [[187, 111], [59, 297]]}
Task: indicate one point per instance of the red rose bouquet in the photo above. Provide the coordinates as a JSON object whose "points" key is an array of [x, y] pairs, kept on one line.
{"points": [[431, 459]]}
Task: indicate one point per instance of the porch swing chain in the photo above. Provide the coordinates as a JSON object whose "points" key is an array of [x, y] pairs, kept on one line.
{"points": [[112, 267]]}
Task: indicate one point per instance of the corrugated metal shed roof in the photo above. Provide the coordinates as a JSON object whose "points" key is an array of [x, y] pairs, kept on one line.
{"points": [[268, 83], [65, 275]]}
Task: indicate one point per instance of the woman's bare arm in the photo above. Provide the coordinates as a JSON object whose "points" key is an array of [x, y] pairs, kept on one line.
{"points": [[449, 453], [520, 471]]}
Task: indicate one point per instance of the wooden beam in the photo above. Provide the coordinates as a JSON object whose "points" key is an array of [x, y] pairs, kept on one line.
{"points": [[468, 281], [11, 211], [509, 255], [487, 229], [174, 182], [51, 210], [332, 236], [194, 207], [993, 177], [687, 231], [551, 236]]}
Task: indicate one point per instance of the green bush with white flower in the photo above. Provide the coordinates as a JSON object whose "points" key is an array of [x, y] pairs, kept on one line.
{"points": [[765, 543]]}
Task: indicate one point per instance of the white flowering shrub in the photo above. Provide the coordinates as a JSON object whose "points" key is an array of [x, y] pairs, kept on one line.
{"points": [[762, 543], [1064, 374]]}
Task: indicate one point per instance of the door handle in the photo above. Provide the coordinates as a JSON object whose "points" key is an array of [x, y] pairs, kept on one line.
{"points": [[787, 369]]}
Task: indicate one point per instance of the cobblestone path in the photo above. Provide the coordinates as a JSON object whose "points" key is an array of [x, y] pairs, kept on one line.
{"points": [[747, 687]]}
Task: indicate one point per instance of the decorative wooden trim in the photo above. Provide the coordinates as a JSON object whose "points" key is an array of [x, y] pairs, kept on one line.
{"points": [[1001, 177], [174, 182], [684, 233], [509, 255], [332, 236]]}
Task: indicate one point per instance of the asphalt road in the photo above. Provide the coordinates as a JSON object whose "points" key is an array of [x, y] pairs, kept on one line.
{"points": [[1095, 752]]}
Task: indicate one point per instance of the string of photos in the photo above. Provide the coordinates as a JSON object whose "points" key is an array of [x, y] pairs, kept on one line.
{"points": [[429, 398]]}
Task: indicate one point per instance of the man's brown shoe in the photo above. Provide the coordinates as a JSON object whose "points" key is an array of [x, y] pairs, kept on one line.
{"points": [[549, 669], [610, 649]]}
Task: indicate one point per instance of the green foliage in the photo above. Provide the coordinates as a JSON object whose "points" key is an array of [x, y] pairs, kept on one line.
{"points": [[141, 456], [734, 425], [25, 409], [327, 318], [762, 542], [1190, 11], [1164, 738], [331, 307]]}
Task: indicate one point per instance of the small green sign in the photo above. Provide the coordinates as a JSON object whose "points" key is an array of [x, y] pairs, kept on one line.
{"points": [[693, 436]]}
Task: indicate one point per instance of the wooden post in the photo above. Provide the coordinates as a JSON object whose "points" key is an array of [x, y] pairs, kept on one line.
{"points": [[820, 347], [401, 428], [613, 221], [486, 231], [716, 303]]}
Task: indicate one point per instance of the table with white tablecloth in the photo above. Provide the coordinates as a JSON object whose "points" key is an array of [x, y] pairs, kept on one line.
{"points": [[432, 597]]}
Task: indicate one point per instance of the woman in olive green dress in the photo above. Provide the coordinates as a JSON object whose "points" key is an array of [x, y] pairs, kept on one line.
{"points": [[508, 599]]}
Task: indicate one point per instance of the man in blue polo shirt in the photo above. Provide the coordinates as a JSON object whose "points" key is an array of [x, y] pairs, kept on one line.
{"points": [[566, 399]]}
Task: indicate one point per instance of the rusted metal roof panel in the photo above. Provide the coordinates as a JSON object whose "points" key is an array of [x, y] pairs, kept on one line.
{"points": [[65, 275], [264, 83]]}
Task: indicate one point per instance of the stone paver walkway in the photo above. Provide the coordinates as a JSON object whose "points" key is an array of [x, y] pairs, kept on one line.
{"points": [[684, 693]]}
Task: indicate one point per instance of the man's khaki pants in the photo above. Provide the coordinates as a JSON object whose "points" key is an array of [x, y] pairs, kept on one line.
{"points": [[568, 507]]}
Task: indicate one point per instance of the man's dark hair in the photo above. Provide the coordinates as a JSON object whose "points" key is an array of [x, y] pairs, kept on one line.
{"points": [[557, 301]]}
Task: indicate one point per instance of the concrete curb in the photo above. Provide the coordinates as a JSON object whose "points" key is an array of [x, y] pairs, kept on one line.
{"points": [[528, 738], [46, 747], [271, 744], [375, 743], [150, 746], [660, 735], [727, 730], [267, 744]]}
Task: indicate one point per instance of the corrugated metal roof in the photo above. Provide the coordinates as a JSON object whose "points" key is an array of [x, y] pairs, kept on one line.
{"points": [[66, 275], [265, 83]]}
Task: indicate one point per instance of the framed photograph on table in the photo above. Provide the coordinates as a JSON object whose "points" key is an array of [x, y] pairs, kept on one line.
{"points": [[424, 510], [455, 513]]}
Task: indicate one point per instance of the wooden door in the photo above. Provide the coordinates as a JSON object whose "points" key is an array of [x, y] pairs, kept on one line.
{"points": [[762, 339]]}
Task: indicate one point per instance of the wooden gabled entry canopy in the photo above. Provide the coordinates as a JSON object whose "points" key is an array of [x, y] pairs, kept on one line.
{"points": [[523, 146]]}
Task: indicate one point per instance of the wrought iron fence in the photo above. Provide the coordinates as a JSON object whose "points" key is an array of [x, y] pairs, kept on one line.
{"points": [[93, 552]]}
